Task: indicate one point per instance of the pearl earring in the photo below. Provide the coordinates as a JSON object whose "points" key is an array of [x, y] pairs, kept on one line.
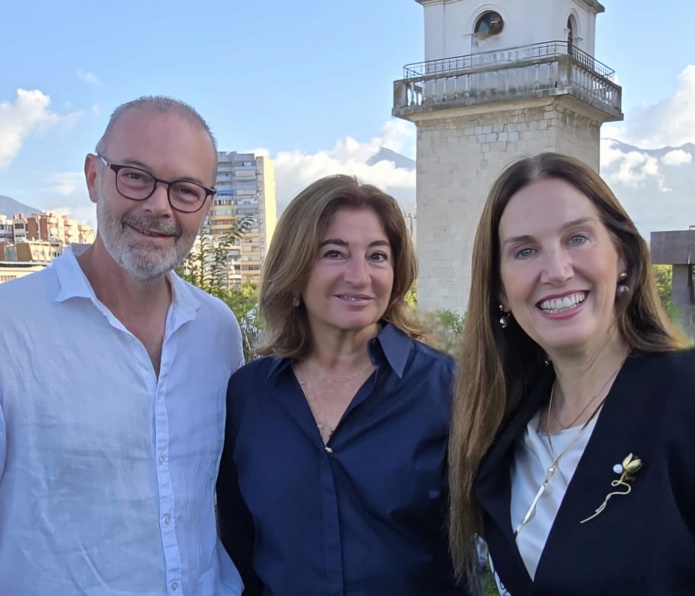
{"points": [[505, 318], [623, 288]]}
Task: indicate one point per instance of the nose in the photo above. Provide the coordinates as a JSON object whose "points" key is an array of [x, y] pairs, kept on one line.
{"points": [[158, 202], [557, 267], [357, 272]]}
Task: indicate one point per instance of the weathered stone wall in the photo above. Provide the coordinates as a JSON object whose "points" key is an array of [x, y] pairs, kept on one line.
{"points": [[458, 157]]}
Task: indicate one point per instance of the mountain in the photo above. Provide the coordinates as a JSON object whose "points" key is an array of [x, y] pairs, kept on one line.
{"points": [[400, 161], [656, 186], [10, 207]]}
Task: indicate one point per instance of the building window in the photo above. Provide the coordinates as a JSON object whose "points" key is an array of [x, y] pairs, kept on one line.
{"points": [[488, 24], [571, 35]]}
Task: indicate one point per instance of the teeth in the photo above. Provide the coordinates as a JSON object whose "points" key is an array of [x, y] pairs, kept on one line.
{"points": [[557, 305]]}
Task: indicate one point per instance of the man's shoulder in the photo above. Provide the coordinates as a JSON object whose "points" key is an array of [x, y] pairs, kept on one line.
{"points": [[28, 291], [211, 304]]}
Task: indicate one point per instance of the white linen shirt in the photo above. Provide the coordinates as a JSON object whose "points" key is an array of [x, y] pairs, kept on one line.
{"points": [[107, 472]]}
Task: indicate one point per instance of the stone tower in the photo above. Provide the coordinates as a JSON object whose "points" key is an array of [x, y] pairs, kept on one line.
{"points": [[501, 80]]}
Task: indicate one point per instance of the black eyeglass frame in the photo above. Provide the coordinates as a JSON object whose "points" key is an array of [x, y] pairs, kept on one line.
{"points": [[209, 192]]}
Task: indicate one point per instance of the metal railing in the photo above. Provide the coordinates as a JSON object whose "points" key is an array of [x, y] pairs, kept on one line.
{"points": [[539, 70], [534, 51]]}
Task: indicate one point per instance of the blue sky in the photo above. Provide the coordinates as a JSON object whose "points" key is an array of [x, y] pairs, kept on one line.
{"points": [[296, 78]]}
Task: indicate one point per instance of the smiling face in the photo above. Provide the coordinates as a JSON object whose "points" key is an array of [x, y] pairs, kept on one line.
{"points": [[351, 282], [559, 267], [148, 238]]}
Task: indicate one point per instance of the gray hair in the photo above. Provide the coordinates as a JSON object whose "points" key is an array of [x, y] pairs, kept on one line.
{"points": [[162, 105]]}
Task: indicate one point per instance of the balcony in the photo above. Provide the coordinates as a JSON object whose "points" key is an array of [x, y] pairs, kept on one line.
{"points": [[548, 69]]}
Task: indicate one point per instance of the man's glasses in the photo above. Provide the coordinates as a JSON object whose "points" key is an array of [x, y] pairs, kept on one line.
{"points": [[138, 185]]}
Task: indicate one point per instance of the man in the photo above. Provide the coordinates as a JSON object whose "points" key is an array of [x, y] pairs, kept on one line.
{"points": [[113, 378]]}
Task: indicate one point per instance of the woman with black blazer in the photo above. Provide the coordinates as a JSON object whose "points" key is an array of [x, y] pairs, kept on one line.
{"points": [[573, 442]]}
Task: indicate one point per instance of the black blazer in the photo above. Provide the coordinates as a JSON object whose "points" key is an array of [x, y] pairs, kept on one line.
{"points": [[642, 543]]}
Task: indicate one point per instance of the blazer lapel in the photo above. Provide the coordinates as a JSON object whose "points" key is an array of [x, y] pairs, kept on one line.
{"points": [[610, 442], [493, 489]]}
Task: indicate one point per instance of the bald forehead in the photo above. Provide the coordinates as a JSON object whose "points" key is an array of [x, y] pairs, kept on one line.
{"points": [[141, 114], [146, 133]]}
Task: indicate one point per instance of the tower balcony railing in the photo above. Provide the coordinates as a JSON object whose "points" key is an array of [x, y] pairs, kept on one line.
{"points": [[540, 70]]}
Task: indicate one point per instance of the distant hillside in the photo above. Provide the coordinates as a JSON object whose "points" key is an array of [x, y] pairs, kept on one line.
{"points": [[10, 207], [656, 186], [400, 161]]}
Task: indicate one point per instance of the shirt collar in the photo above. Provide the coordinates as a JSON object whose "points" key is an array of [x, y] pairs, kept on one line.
{"points": [[391, 344], [71, 279], [74, 283]]}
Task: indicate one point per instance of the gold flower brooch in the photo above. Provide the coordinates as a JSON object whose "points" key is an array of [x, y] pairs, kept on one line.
{"points": [[627, 470]]}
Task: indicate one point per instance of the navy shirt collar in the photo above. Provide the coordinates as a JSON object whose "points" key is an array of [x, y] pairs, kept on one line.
{"points": [[391, 345]]}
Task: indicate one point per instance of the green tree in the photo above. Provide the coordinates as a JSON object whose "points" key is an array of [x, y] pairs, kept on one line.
{"points": [[244, 304], [411, 295], [663, 275], [207, 267]]}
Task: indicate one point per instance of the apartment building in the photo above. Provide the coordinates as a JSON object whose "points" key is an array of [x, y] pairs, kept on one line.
{"points": [[51, 227], [245, 189]]}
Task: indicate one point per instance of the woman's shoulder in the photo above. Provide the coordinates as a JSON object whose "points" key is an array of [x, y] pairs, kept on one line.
{"points": [[432, 357], [258, 371], [668, 376], [673, 366]]}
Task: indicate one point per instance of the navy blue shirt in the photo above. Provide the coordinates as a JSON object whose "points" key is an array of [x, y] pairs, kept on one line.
{"points": [[363, 516]]}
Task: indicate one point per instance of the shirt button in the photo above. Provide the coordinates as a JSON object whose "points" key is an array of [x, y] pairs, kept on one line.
{"points": [[161, 459], [167, 520], [174, 585], [329, 450]]}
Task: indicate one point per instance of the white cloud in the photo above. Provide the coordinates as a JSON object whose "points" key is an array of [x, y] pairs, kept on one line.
{"points": [[89, 77], [28, 113], [66, 193], [635, 169], [677, 157], [295, 170], [668, 123]]}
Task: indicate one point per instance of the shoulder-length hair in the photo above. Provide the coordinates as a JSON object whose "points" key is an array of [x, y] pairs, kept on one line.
{"points": [[294, 249], [497, 366]]}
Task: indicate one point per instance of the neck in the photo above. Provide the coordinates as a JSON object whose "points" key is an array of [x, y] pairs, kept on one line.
{"points": [[117, 290], [586, 377], [341, 352]]}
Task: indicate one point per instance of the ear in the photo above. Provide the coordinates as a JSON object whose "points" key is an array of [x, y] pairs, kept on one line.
{"points": [[91, 174]]}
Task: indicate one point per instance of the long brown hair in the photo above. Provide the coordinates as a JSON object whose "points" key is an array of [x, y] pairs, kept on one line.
{"points": [[496, 366], [293, 251]]}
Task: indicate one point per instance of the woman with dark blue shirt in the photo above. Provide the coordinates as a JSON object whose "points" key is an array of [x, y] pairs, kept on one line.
{"points": [[332, 480]]}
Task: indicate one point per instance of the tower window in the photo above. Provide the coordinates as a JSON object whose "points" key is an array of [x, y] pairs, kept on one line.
{"points": [[488, 24], [571, 35]]}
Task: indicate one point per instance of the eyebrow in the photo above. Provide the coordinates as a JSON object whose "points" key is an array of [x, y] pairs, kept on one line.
{"points": [[570, 224], [339, 242], [138, 164]]}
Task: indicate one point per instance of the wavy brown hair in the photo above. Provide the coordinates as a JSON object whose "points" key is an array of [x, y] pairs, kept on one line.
{"points": [[294, 249], [496, 366]]}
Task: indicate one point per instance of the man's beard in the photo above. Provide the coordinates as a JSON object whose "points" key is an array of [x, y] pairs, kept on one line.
{"points": [[142, 260]]}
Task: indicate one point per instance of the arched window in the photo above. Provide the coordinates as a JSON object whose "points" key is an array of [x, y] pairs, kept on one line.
{"points": [[571, 35], [488, 24]]}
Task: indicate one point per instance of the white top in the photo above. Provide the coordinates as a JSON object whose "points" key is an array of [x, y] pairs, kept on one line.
{"points": [[532, 458], [107, 473]]}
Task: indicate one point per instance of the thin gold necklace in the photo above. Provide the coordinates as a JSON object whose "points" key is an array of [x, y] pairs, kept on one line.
{"points": [[552, 470], [338, 380], [584, 409], [305, 383]]}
